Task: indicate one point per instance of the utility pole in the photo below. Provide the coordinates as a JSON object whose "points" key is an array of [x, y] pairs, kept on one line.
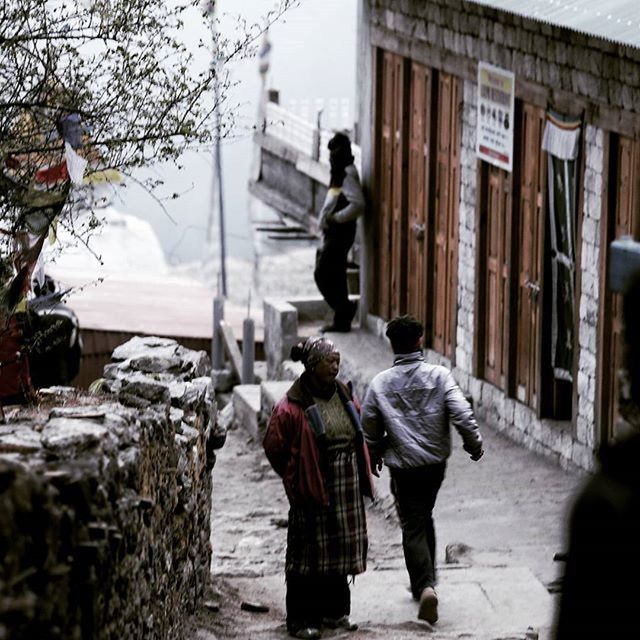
{"points": [[223, 247], [210, 10]]}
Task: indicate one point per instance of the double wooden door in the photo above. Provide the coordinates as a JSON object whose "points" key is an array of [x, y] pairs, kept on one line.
{"points": [[391, 191], [511, 224], [418, 174]]}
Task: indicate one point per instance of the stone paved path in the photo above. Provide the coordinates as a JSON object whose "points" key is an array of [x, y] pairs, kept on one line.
{"points": [[509, 508]]}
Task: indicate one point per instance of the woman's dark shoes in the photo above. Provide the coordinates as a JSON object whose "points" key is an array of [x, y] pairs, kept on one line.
{"points": [[308, 633], [340, 623]]}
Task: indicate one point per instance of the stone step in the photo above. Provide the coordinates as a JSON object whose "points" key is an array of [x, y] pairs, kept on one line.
{"points": [[253, 403], [270, 392], [246, 408], [291, 370]]}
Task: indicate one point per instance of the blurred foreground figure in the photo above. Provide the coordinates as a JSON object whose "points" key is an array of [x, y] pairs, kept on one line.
{"points": [[601, 590]]}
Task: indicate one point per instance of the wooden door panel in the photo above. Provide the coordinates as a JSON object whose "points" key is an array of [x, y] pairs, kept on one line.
{"points": [[446, 202], [418, 232], [624, 220], [398, 230], [530, 238], [385, 183], [391, 219], [496, 207]]}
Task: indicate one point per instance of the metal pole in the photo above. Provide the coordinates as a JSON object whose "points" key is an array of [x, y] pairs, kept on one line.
{"points": [[248, 351], [210, 11], [217, 345], [248, 347], [223, 250]]}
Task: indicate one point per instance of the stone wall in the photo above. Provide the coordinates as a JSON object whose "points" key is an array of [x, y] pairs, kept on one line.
{"points": [[105, 506], [585, 435], [565, 68], [467, 232]]}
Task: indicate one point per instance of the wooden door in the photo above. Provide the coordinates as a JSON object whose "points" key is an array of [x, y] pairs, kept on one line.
{"points": [[531, 221], [446, 197], [496, 242], [418, 235], [391, 191], [399, 200], [623, 219]]}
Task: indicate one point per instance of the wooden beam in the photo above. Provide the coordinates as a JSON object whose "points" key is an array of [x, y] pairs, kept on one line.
{"points": [[231, 347]]}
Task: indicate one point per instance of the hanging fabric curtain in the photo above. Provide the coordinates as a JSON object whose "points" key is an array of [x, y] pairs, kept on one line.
{"points": [[561, 140]]}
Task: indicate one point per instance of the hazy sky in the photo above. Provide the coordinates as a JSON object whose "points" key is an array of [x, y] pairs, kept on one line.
{"points": [[312, 56]]}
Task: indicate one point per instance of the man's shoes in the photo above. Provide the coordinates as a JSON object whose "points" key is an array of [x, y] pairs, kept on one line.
{"points": [[340, 623], [428, 609], [308, 633], [343, 322]]}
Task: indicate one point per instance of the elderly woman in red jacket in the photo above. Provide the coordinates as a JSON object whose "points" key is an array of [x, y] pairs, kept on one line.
{"points": [[314, 442]]}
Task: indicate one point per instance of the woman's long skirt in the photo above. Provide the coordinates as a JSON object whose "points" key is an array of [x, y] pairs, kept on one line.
{"points": [[331, 540]]}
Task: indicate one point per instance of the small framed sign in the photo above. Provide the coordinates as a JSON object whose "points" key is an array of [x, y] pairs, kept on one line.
{"points": [[496, 98]]}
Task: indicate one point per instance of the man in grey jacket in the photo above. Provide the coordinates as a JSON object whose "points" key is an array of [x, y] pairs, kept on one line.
{"points": [[406, 415]]}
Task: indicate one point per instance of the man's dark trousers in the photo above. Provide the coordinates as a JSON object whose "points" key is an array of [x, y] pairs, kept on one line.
{"points": [[331, 272], [415, 491]]}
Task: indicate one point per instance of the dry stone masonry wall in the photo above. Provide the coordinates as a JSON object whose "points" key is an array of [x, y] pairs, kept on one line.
{"points": [[105, 501]]}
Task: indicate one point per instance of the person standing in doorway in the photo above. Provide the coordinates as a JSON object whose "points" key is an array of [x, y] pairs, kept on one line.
{"points": [[314, 442], [343, 205], [405, 416]]}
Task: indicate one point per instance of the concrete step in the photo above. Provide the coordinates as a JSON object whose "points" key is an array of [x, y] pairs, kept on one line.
{"points": [[270, 392], [246, 408]]}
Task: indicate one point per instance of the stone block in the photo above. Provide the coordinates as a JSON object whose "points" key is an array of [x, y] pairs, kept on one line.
{"points": [[246, 408], [475, 389], [280, 332], [509, 408], [389, 19], [310, 308], [589, 231], [582, 429], [582, 456], [271, 392], [18, 438], [223, 380]]}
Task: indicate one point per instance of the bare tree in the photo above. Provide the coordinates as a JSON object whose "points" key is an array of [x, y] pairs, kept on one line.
{"points": [[89, 87]]}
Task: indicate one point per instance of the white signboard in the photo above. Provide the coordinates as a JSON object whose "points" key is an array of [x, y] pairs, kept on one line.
{"points": [[496, 96]]}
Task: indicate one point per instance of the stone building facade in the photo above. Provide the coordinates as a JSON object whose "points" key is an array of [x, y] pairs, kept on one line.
{"points": [[503, 314]]}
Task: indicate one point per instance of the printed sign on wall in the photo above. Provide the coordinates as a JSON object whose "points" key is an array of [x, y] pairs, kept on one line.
{"points": [[496, 95]]}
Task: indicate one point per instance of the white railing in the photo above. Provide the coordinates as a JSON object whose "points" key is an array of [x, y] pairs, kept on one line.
{"points": [[290, 128], [301, 134]]}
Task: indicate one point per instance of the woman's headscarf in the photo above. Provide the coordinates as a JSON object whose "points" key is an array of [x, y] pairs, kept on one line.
{"points": [[312, 351]]}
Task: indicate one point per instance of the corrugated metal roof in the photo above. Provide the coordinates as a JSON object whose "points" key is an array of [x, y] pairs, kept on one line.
{"points": [[616, 20]]}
